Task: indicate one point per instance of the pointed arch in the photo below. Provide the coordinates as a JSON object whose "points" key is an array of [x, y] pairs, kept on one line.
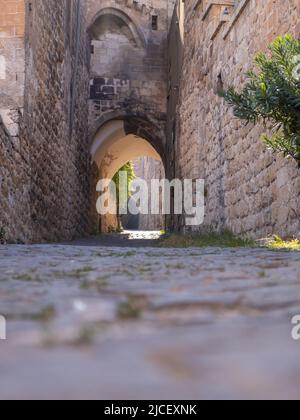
{"points": [[136, 33]]}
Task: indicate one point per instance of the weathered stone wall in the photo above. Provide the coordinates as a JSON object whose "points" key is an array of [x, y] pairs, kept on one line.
{"points": [[175, 62], [148, 169], [47, 185], [12, 64], [56, 115], [129, 61], [249, 188], [14, 187], [14, 167]]}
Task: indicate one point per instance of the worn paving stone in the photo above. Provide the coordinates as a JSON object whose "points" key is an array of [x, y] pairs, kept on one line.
{"points": [[92, 321]]}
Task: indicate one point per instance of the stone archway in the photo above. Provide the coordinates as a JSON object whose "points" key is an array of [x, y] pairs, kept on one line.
{"points": [[118, 141], [113, 148], [128, 86], [138, 125]]}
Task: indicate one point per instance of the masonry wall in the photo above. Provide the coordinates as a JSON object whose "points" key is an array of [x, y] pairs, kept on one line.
{"points": [[129, 61], [14, 187], [176, 39], [56, 119], [249, 189], [148, 169], [46, 176], [14, 152], [12, 61]]}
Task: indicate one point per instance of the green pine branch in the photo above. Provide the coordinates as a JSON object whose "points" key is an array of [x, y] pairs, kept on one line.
{"points": [[272, 95]]}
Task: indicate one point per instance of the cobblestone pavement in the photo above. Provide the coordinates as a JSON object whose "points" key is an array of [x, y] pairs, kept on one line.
{"points": [[92, 321]]}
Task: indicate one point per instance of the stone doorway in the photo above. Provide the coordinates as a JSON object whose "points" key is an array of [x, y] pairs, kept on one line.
{"points": [[118, 142]]}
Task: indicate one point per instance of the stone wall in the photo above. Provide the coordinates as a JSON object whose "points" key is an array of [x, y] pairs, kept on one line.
{"points": [[47, 186], [12, 64], [175, 62], [14, 153], [14, 187], [148, 169], [129, 62], [56, 119], [249, 189]]}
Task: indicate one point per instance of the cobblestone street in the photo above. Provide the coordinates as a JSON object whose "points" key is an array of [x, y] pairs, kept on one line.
{"points": [[86, 320]]}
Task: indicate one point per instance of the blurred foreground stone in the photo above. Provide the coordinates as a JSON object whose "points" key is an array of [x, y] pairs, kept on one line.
{"points": [[95, 322]]}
